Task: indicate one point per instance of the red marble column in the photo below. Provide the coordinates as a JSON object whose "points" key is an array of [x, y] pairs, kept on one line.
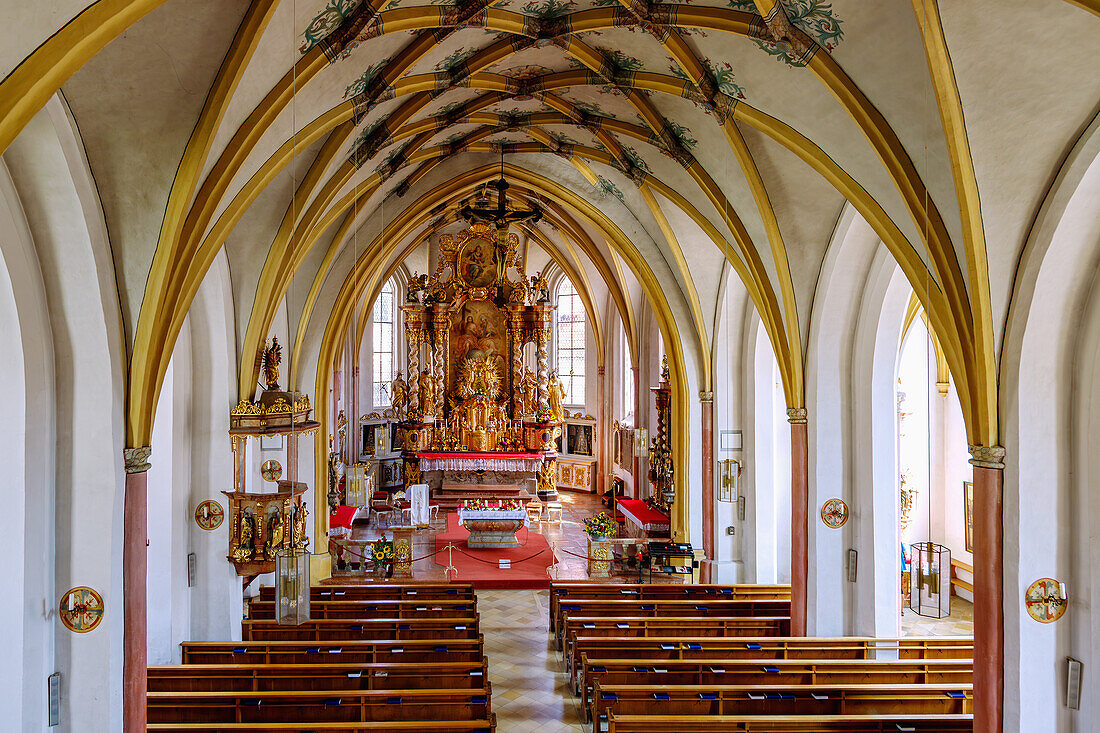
{"points": [[134, 574], [800, 497], [636, 489], [706, 403], [988, 589]]}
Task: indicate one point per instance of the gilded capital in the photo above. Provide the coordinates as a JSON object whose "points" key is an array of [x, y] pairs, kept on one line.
{"points": [[796, 415], [987, 456], [706, 397], [137, 459]]}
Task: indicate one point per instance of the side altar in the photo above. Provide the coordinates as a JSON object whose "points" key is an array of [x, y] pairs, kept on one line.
{"points": [[473, 410]]}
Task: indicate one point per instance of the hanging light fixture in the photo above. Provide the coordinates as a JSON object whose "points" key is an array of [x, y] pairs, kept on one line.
{"points": [[500, 216]]}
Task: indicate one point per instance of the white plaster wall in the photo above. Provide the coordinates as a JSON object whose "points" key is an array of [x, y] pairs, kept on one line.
{"points": [[29, 457], [59, 199]]}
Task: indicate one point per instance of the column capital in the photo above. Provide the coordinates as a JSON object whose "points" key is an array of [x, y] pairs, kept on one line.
{"points": [[796, 415], [137, 459], [987, 456], [706, 397]]}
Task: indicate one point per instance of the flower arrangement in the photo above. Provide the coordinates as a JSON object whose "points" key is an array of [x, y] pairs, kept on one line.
{"points": [[381, 552], [510, 442], [599, 526]]}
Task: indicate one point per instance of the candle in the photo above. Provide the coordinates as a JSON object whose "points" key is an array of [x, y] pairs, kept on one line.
{"points": [[72, 601], [205, 511]]}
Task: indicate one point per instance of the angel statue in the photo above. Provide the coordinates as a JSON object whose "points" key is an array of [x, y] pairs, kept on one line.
{"points": [[270, 360], [557, 398], [399, 392]]}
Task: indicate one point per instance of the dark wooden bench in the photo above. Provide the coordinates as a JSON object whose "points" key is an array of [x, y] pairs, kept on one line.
{"points": [[575, 590], [790, 724], [375, 608], [799, 647], [376, 591], [664, 608], [375, 726], [768, 699], [377, 628], [307, 706], [687, 626], [659, 672], [321, 652], [336, 675]]}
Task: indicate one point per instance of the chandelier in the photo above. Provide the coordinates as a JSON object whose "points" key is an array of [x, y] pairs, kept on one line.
{"points": [[500, 216]]}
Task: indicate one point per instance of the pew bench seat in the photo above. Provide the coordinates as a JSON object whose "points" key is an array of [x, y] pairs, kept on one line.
{"points": [[337, 675], [362, 651], [487, 725], [790, 724]]}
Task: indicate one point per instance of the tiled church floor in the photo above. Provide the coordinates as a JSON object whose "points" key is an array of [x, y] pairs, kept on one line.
{"points": [[959, 623], [530, 691]]}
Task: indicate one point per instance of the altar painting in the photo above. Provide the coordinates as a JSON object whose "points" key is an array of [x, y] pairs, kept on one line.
{"points": [[477, 266], [479, 330]]}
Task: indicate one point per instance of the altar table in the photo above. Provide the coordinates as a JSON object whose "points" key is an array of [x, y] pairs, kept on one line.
{"points": [[492, 528], [477, 461], [643, 521]]}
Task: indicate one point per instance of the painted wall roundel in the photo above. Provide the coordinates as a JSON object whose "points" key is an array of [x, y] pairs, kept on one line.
{"points": [[81, 609], [209, 515], [1045, 600], [271, 470], [834, 513]]}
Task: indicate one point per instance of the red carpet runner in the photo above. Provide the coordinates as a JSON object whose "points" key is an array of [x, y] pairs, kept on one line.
{"points": [[529, 560]]}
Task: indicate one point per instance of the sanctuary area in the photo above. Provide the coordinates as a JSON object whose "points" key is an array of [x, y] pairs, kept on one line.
{"points": [[493, 366]]}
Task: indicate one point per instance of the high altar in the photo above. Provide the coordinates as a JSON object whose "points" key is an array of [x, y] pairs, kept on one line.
{"points": [[472, 413]]}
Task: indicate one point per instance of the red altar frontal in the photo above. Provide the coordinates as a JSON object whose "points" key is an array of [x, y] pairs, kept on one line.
{"points": [[473, 410]]}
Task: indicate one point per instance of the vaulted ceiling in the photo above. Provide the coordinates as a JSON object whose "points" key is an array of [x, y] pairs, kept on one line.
{"points": [[703, 132]]}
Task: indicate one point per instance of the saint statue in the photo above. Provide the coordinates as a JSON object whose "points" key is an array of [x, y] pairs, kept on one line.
{"points": [[342, 431], [299, 537], [398, 394], [270, 360], [530, 387], [556, 398], [427, 393], [276, 529]]}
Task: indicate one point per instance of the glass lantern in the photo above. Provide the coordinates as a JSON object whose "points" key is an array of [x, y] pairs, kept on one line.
{"points": [[292, 586], [931, 590], [729, 479]]}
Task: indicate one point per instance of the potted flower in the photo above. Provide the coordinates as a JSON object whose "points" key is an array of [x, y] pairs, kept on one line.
{"points": [[599, 528], [382, 554]]}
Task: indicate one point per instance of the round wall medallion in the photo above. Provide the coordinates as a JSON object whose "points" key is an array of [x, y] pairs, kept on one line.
{"points": [[81, 609], [1045, 600], [209, 515], [271, 470], [834, 513]]}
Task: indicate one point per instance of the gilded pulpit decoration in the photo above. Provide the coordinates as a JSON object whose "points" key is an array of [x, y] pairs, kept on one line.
{"points": [[262, 525]]}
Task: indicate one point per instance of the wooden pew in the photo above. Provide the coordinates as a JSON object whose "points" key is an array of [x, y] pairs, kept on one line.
{"points": [[659, 672], [396, 726], [366, 609], [665, 608], [799, 647], [572, 590], [378, 591], [686, 626], [308, 706], [376, 628], [321, 652], [336, 675], [768, 699], [790, 723]]}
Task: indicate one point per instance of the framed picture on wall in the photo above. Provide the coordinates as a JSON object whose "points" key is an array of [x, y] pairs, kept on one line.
{"points": [[968, 513]]}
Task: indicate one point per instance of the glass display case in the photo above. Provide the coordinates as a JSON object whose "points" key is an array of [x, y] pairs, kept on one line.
{"points": [[930, 593]]}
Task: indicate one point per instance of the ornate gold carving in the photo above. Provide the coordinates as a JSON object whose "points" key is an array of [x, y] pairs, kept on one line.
{"points": [[478, 377], [244, 407], [796, 415], [279, 407]]}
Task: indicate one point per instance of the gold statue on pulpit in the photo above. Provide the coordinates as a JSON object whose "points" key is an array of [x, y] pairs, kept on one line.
{"points": [[270, 360]]}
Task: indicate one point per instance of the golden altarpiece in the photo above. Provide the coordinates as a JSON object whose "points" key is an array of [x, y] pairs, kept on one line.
{"points": [[470, 406]]}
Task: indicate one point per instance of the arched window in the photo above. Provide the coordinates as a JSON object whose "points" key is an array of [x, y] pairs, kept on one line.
{"points": [[570, 339], [382, 328], [627, 381]]}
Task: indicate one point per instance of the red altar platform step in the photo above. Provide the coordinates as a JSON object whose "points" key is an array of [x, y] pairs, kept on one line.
{"points": [[529, 561]]}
